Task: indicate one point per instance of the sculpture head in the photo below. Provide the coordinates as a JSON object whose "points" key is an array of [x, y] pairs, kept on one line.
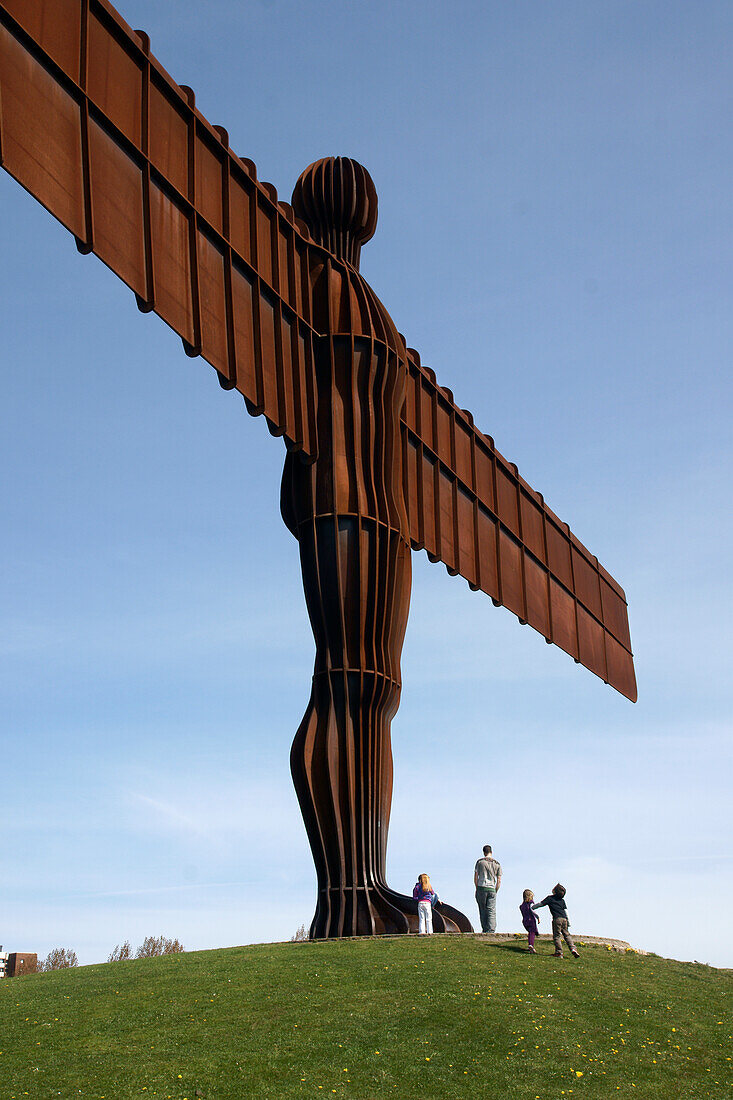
{"points": [[337, 200]]}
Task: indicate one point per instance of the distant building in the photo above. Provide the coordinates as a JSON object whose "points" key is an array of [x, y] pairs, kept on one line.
{"points": [[3, 961], [21, 962]]}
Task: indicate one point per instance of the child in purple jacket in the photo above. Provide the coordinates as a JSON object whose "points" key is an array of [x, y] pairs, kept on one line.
{"points": [[530, 920]]}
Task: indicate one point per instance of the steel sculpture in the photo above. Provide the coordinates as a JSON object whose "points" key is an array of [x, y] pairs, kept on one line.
{"points": [[380, 459]]}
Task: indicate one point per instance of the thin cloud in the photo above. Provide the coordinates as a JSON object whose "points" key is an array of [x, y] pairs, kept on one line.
{"points": [[173, 815], [184, 888]]}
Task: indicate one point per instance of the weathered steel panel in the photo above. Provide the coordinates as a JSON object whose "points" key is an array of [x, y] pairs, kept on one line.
{"points": [[427, 488], [243, 293], [506, 495], [510, 565], [40, 127], [533, 535], [488, 553], [537, 595], [466, 535], [212, 297], [564, 625], [172, 291], [55, 25], [117, 214], [114, 81], [168, 136]]}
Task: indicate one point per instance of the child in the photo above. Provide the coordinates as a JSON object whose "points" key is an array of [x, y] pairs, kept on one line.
{"points": [[426, 899], [529, 919], [560, 922]]}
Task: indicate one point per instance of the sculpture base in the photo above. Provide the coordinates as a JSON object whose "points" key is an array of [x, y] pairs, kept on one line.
{"points": [[345, 912]]}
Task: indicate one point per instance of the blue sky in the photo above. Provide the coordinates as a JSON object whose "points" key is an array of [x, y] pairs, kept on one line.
{"points": [[554, 238]]}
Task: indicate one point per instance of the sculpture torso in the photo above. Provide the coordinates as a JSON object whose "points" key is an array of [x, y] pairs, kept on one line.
{"points": [[360, 383]]}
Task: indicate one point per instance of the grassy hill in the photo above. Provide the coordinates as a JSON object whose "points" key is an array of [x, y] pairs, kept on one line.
{"points": [[439, 1017]]}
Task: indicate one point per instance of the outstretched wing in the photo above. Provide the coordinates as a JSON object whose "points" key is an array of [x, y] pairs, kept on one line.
{"points": [[470, 509], [96, 130]]}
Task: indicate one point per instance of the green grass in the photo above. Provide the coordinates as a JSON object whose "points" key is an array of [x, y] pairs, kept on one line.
{"points": [[440, 1017]]}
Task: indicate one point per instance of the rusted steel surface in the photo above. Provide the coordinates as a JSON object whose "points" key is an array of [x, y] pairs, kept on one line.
{"points": [[95, 128], [380, 458], [347, 511]]}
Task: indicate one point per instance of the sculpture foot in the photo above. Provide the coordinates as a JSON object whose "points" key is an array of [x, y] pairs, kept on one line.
{"points": [[445, 917], [376, 911]]}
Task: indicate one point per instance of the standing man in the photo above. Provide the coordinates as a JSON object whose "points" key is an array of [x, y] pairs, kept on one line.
{"points": [[487, 880]]}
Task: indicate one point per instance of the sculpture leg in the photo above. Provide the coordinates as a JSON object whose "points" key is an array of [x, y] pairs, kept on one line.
{"points": [[356, 574]]}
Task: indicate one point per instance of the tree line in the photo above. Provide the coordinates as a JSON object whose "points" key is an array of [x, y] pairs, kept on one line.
{"points": [[62, 958]]}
